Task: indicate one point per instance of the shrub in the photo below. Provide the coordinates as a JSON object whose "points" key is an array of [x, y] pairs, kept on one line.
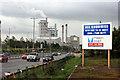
{"points": [[51, 69]]}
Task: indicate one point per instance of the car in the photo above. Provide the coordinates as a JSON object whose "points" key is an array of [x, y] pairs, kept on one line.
{"points": [[3, 58], [48, 58], [33, 56], [59, 53], [68, 54], [24, 56], [54, 54], [7, 54]]}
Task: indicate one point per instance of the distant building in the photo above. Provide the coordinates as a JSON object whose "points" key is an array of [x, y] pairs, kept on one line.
{"points": [[48, 34], [50, 40], [73, 41], [45, 31], [43, 28]]}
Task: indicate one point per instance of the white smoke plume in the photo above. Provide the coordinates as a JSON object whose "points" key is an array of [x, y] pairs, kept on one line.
{"points": [[32, 11], [35, 12]]}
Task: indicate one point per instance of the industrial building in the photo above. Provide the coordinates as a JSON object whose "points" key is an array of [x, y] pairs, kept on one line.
{"points": [[45, 31], [73, 41], [50, 40], [49, 34]]}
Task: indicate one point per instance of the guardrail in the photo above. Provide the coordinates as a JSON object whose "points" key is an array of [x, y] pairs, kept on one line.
{"points": [[60, 64], [14, 57]]}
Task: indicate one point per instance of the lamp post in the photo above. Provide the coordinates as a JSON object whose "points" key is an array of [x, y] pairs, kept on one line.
{"points": [[0, 39], [33, 29]]}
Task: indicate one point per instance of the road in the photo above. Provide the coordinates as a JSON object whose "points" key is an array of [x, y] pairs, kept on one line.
{"points": [[14, 64]]}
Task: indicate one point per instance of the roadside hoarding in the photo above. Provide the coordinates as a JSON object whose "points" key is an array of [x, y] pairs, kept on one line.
{"points": [[97, 36]]}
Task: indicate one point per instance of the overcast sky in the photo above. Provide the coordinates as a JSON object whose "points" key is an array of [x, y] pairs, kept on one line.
{"points": [[16, 15]]}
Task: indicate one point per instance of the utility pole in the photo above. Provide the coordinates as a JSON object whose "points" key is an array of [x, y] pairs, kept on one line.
{"points": [[0, 39], [50, 40], [9, 36], [9, 32], [33, 29]]}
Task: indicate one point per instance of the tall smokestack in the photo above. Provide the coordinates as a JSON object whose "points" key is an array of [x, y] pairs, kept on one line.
{"points": [[66, 32], [46, 19], [62, 33]]}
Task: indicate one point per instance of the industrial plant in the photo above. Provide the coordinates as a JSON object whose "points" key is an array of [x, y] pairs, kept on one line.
{"points": [[50, 35]]}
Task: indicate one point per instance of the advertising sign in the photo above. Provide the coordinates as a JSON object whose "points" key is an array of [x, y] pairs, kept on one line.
{"points": [[97, 36]]}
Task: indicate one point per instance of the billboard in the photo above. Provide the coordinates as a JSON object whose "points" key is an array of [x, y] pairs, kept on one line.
{"points": [[97, 36]]}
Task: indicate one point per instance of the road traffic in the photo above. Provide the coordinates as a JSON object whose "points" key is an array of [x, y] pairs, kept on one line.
{"points": [[14, 64]]}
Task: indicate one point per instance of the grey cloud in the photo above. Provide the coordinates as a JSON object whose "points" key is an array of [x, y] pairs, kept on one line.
{"points": [[79, 11], [20, 10], [73, 11], [86, 11]]}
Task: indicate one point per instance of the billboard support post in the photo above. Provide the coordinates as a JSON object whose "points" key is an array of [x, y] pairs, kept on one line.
{"points": [[108, 59], [82, 57]]}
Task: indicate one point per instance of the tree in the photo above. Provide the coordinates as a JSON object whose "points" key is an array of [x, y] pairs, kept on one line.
{"points": [[6, 39], [22, 39]]}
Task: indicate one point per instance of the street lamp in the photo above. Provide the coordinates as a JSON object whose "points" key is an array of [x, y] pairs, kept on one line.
{"points": [[0, 39], [33, 29]]}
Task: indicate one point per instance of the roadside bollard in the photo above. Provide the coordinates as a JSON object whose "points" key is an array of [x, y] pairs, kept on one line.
{"points": [[42, 67], [7, 74], [38, 65], [53, 60], [33, 66], [26, 74], [14, 75], [45, 66], [49, 61], [18, 75]]}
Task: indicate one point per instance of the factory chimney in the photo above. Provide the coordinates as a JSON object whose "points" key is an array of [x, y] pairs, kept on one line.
{"points": [[63, 33], [66, 32], [46, 19]]}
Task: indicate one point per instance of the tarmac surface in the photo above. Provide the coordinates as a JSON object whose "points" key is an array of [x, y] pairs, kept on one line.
{"points": [[14, 64]]}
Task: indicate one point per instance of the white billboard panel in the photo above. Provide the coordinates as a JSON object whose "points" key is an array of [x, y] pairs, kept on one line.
{"points": [[97, 36]]}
